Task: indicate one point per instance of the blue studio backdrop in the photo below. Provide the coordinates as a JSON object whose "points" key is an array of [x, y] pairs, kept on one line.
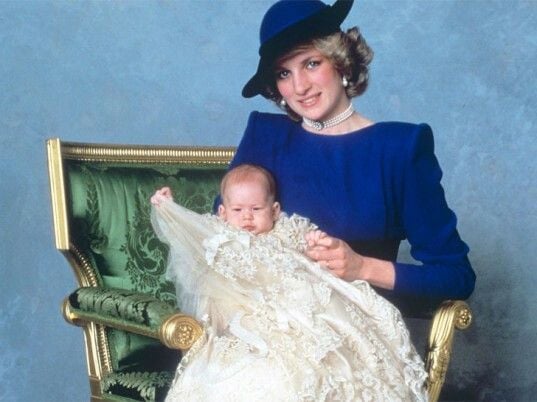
{"points": [[171, 72]]}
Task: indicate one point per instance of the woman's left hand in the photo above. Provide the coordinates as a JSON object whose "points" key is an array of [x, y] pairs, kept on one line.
{"points": [[337, 256]]}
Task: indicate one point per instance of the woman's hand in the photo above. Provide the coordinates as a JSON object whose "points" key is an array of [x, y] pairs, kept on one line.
{"points": [[334, 254], [165, 193], [345, 263]]}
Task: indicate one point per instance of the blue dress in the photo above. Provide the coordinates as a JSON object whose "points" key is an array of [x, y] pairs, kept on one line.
{"points": [[372, 188]]}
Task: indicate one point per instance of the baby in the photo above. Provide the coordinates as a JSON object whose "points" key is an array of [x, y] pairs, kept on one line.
{"points": [[248, 202]]}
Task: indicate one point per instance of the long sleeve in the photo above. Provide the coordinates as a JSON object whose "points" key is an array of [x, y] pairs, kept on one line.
{"points": [[430, 227]]}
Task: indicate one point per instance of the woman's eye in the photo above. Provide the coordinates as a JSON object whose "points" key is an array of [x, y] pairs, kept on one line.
{"points": [[280, 75], [313, 63]]}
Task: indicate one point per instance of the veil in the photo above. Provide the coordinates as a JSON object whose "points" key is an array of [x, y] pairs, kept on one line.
{"points": [[184, 232]]}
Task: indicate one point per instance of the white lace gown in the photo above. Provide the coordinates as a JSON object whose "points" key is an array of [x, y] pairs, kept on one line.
{"points": [[278, 327]]}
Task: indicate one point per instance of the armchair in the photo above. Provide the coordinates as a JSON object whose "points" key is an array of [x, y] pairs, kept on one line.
{"points": [[133, 331]]}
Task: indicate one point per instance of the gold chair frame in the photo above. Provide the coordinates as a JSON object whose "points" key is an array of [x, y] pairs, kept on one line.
{"points": [[181, 331]]}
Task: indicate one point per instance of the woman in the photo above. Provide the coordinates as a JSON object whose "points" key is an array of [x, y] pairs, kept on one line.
{"points": [[369, 185]]}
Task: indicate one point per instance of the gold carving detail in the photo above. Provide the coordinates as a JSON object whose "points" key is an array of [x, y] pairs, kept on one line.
{"points": [[450, 315], [180, 332], [147, 153]]}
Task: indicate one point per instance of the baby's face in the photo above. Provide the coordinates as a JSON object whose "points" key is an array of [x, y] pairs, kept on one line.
{"points": [[246, 205]]}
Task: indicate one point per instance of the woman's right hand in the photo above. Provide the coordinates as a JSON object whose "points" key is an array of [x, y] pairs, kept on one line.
{"points": [[336, 255], [313, 238], [165, 193]]}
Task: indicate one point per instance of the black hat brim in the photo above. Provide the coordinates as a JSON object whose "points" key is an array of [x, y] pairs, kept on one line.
{"points": [[325, 22]]}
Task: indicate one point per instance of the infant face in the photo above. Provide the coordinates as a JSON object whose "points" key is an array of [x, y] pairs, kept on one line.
{"points": [[247, 205]]}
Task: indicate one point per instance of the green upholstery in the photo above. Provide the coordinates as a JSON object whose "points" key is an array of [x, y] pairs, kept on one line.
{"points": [[121, 305], [109, 224], [110, 211], [138, 356], [147, 386]]}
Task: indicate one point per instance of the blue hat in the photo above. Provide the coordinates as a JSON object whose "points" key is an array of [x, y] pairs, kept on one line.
{"points": [[288, 23]]}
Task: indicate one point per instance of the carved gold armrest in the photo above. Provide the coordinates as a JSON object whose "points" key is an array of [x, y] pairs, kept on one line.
{"points": [[175, 330], [451, 315], [180, 332]]}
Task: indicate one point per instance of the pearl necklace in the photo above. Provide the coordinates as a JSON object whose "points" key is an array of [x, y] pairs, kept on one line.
{"points": [[334, 121]]}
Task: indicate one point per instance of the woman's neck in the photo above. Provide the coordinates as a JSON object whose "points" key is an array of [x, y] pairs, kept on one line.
{"points": [[354, 123]]}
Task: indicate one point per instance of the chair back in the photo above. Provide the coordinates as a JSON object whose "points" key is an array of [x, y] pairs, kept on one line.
{"points": [[101, 210]]}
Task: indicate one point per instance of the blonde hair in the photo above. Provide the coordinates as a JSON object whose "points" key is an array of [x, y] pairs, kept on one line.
{"points": [[248, 173]]}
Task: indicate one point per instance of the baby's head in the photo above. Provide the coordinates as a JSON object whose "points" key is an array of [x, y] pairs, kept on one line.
{"points": [[248, 195]]}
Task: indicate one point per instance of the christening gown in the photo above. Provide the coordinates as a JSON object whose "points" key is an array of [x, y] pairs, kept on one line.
{"points": [[277, 326]]}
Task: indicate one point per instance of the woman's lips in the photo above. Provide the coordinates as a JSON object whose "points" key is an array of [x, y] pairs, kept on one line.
{"points": [[309, 101]]}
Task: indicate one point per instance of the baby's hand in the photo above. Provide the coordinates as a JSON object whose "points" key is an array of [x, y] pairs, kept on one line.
{"points": [[160, 195], [313, 237]]}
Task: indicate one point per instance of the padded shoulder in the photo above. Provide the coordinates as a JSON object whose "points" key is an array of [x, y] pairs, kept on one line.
{"points": [[270, 126], [404, 135], [269, 118]]}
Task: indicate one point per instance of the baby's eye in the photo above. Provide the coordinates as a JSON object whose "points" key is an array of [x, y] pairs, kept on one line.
{"points": [[236, 209]]}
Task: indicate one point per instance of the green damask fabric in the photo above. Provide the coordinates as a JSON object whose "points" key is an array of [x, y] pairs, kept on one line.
{"points": [[112, 208], [111, 225], [141, 386], [136, 308]]}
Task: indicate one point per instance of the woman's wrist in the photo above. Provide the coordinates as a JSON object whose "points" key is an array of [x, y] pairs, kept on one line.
{"points": [[377, 272]]}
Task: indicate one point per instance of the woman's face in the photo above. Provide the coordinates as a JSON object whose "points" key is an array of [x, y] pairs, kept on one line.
{"points": [[310, 84]]}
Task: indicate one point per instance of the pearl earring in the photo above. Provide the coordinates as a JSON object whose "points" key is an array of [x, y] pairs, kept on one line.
{"points": [[283, 103], [345, 82]]}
